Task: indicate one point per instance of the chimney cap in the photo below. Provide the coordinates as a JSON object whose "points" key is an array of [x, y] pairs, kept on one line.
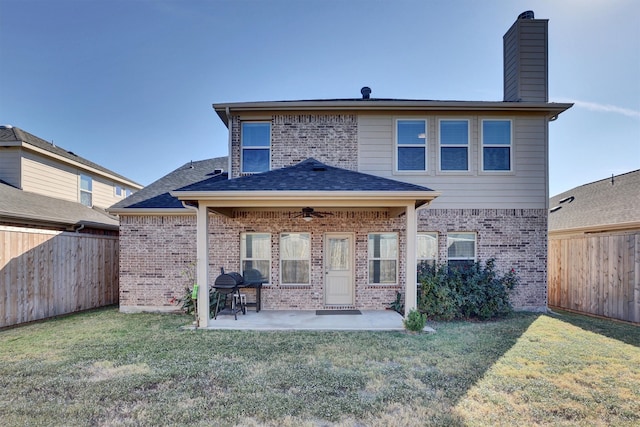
{"points": [[366, 92], [527, 14]]}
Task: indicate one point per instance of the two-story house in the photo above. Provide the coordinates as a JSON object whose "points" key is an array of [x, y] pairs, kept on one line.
{"points": [[34, 165], [335, 201]]}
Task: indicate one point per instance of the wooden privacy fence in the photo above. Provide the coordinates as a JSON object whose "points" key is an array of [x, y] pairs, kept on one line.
{"points": [[46, 273], [596, 274]]}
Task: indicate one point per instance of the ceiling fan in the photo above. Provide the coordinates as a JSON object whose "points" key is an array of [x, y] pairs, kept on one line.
{"points": [[308, 214]]}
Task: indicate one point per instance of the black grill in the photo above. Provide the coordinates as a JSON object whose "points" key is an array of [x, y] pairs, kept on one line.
{"points": [[228, 280]]}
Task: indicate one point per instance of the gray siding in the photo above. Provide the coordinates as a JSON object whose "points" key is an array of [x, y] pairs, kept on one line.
{"points": [[524, 188], [526, 61]]}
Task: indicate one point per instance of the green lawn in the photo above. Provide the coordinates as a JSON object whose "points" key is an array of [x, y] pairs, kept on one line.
{"points": [[107, 368]]}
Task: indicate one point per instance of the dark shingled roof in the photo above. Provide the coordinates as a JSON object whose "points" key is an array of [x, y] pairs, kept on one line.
{"points": [[308, 175], [18, 206], [605, 202], [12, 134], [156, 195]]}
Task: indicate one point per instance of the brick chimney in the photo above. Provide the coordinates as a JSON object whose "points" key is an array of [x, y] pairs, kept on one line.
{"points": [[526, 60]]}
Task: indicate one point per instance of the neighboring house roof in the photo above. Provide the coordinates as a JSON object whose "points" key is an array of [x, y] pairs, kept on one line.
{"points": [[308, 175], [22, 207], [608, 204], [551, 109], [156, 195], [14, 134]]}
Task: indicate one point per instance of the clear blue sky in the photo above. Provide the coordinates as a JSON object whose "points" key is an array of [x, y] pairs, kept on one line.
{"points": [[129, 84]]}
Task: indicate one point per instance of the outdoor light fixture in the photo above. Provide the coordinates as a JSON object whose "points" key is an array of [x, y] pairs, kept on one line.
{"points": [[308, 214]]}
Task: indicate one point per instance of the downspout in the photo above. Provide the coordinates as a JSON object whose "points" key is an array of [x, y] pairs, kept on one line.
{"points": [[229, 128], [77, 230]]}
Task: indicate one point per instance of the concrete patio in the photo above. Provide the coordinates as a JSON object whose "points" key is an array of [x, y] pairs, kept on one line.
{"points": [[302, 320]]}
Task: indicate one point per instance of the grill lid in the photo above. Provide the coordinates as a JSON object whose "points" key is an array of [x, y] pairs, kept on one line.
{"points": [[229, 280]]}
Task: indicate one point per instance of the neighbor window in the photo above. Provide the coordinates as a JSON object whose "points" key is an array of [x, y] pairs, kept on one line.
{"points": [[454, 145], [256, 143], [383, 258], [461, 249], [119, 191], [496, 145], [86, 190], [255, 256], [411, 142], [295, 258]]}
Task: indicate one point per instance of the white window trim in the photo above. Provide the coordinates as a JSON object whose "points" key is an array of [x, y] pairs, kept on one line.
{"points": [[300, 259], [396, 259], [475, 246], [80, 190], [426, 147], [467, 146], [482, 146], [242, 252], [242, 147]]}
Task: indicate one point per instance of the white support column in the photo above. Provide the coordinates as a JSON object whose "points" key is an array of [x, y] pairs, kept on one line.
{"points": [[202, 248], [411, 276]]}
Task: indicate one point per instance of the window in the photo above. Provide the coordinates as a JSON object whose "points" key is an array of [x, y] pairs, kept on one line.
{"points": [[119, 191], [461, 249], [496, 145], [454, 145], [383, 258], [295, 258], [86, 188], [427, 248], [127, 193], [255, 256], [256, 143], [411, 141]]}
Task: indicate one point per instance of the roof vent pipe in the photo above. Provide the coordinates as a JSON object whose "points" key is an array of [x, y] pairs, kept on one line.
{"points": [[526, 15], [366, 92]]}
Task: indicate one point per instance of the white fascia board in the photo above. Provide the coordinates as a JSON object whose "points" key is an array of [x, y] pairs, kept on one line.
{"points": [[299, 198], [550, 108], [150, 211]]}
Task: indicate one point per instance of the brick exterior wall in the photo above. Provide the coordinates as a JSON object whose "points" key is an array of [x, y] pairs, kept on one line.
{"points": [[157, 251], [329, 138], [157, 256], [516, 238]]}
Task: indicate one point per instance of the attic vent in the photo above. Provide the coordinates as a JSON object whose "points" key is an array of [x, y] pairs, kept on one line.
{"points": [[366, 92], [526, 15], [218, 171], [568, 199], [319, 169]]}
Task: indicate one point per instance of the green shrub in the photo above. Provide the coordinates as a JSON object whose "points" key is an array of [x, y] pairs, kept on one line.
{"points": [[475, 291], [415, 321], [187, 303]]}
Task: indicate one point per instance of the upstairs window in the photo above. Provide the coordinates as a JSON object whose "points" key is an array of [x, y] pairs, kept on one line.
{"points": [[255, 256], [383, 258], [496, 145], [256, 144], [454, 145], [119, 191], [86, 190], [411, 143], [295, 258]]}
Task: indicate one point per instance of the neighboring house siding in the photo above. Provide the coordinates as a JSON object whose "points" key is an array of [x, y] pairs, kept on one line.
{"points": [[157, 254], [50, 178], [329, 138], [10, 166], [523, 188], [55, 179], [515, 238]]}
